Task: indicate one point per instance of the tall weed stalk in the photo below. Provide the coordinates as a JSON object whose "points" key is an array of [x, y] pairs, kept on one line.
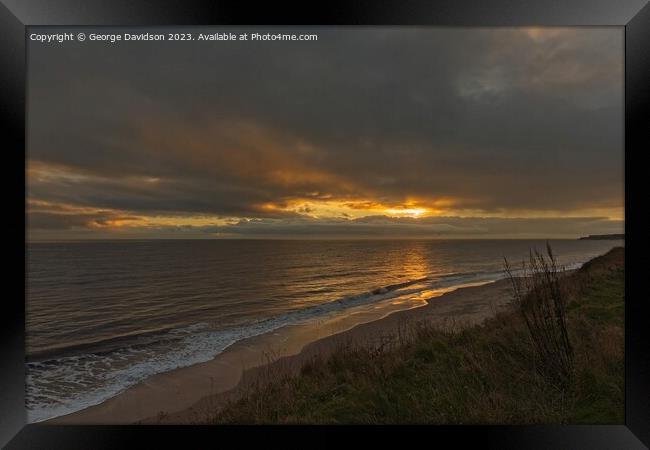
{"points": [[541, 300]]}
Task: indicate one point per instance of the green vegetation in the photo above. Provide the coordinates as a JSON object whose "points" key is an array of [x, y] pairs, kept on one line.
{"points": [[488, 374]]}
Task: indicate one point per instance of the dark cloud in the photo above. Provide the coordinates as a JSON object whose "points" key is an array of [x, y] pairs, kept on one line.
{"points": [[47, 220], [499, 120], [382, 226], [373, 227]]}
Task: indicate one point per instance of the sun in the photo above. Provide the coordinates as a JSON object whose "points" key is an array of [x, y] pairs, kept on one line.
{"points": [[406, 212]]}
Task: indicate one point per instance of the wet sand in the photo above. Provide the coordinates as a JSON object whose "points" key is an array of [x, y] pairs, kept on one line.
{"points": [[189, 394]]}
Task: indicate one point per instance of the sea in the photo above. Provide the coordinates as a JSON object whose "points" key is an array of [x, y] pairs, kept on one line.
{"points": [[104, 315]]}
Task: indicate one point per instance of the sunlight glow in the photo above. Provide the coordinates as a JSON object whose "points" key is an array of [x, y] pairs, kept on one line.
{"points": [[409, 212]]}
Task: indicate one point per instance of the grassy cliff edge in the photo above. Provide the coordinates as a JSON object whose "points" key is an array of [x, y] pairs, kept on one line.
{"points": [[486, 374]]}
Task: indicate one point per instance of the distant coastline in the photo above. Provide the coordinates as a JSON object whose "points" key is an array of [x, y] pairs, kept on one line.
{"points": [[602, 237]]}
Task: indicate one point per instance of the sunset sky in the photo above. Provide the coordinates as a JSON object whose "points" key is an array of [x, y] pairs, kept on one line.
{"points": [[371, 132]]}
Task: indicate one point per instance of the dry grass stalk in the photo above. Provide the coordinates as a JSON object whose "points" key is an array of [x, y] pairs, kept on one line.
{"points": [[541, 300]]}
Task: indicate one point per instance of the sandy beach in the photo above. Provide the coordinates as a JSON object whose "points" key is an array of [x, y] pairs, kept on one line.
{"points": [[187, 395]]}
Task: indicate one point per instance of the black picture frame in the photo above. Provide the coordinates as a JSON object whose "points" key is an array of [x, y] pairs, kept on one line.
{"points": [[633, 15]]}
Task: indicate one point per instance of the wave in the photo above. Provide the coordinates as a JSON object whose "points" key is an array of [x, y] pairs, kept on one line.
{"points": [[107, 345]]}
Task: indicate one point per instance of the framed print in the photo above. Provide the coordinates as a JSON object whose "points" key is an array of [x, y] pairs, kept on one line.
{"points": [[373, 217]]}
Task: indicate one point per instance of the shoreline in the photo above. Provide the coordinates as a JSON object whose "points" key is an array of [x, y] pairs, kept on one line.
{"points": [[187, 394]]}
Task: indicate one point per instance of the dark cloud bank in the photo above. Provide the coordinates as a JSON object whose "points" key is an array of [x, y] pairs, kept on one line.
{"points": [[511, 122]]}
